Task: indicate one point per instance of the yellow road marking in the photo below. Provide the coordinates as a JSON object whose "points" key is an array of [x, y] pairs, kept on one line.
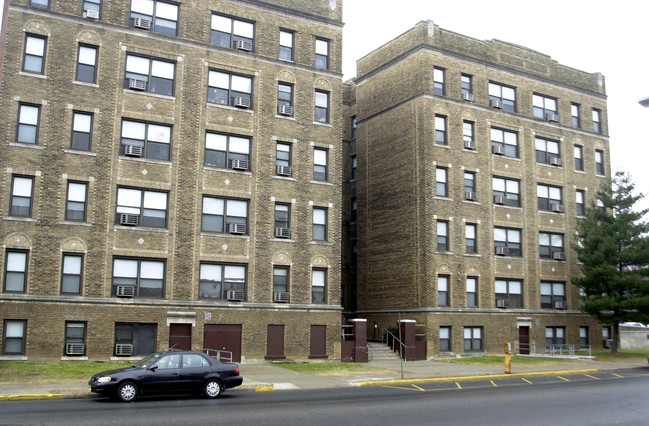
{"points": [[417, 387], [617, 375], [525, 380], [592, 377], [492, 382], [458, 385], [563, 378]]}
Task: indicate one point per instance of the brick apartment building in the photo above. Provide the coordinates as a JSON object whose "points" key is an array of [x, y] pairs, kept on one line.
{"points": [[171, 176], [469, 164]]}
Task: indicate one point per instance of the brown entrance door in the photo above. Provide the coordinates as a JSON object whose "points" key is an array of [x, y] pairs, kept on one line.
{"points": [[524, 340], [275, 342], [180, 336], [224, 337], [318, 341]]}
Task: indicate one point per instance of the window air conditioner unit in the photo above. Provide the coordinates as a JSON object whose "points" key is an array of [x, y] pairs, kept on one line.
{"points": [[242, 102], [607, 343], [470, 195], [285, 110], [92, 14], [550, 116], [129, 219], [280, 296], [284, 170], [469, 144], [141, 23], [557, 208], [123, 349], [237, 228], [283, 232], [74, 348], [125, 291], [496, 103], [240, 164], [501, 251], [236, 295], [243, 45], [468, 97], [502, 303], [135, 84], [133, 150], [559, 255], [555, 161], [559, 304], [498, 150], [499, 199]]}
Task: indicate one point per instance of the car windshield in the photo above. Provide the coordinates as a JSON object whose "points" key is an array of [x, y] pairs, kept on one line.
{"points": [[148, 360]]}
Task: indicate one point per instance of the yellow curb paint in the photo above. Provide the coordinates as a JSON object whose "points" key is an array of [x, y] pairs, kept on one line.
{"points": [[34, 396], [264, 389]]}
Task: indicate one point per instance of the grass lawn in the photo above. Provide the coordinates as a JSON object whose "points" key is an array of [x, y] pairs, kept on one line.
{"points": [[333, 368], [17, 372]]}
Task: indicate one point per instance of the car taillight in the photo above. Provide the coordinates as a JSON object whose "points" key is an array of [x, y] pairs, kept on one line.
{"points": [[236, 370]]}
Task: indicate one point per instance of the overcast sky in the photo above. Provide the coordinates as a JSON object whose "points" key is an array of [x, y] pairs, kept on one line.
{"points": [[610, 37]]}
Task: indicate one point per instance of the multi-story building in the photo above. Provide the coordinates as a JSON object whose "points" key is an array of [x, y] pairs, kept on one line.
{"points": [[469, 163], [171, 176]]}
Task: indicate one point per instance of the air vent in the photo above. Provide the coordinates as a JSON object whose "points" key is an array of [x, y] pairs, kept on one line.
{"points": [[235, 295], [141, 23], [284, 170], [123, 349], [240, 164], [283, 232], [74, 348], [129, 219], [502, 303], [469, 144], [243, 45], [285, 110], [242, 102], [559, 255], [237, 228], [280, 296], [133, 150], [468, 97], [135, 84], [125, 291]]}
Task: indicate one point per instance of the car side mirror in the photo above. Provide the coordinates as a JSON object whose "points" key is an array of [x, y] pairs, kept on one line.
{"points": [[154, 367]]}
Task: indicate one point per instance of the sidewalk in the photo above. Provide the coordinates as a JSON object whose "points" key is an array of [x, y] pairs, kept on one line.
{"points": [[267, 377]]}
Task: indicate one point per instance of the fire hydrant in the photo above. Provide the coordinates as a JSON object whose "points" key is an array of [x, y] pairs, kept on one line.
{"points": [[508, 358]]}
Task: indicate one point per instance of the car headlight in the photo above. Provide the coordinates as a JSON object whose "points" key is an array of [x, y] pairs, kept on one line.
{"points": [[103, 379]]}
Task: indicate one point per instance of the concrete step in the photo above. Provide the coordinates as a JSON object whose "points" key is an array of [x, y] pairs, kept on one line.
{"points": [[381, 352]]}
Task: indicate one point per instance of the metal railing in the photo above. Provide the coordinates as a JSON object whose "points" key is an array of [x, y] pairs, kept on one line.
{"points": [[347, 332], [392, 341], [560, 350], [219, 354]]}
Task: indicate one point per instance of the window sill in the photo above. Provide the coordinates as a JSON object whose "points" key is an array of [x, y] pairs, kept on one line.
{"points": [[509, 207], [548, 165], [442, 145], [32, 74], [152, 95], [497, 256], [549, 212], [224, 235], [319, 123], [146, 160], [283, 240], [436, 197], [284, 178], [74, 358], [13, 358], [142, 228], [78, 152], [321, 243], [321, 182], [504, 157], [74, 223], [581, 172], [20, 219], [472, 255], [126, 358], [477, 203], [444, 253], [85, 83], [286, 117], [231, 108], [26, 145], [226, 170]]}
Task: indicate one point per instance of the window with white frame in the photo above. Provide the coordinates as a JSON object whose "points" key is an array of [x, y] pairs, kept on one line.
{"points": [[227, 151], [217, 279], [148, 140], [225, 215], [75, 338], [597, 121], [318, 285], [43, 4], [547, 151], [280, 280], [92, 5], [229, 89], [501, 96], [28, 123], [472, 292], [470, 186], [34, 57], [549, 244], [549, 198], [322, 53], [285, 99], [286, 38], [81, 131], [282, 220], [76, 201], [510, 291], [506, 191], [466, 83], [441, 181], [138, 277], [155, 15], [579, 157], [580, 198], [442, 236], [232, 33], [445, 339], [583, 336], [599, 162], [439, 81], [133, 339], [471, 238], [507, 241], [575, 113], [321, 106], [141, 207], [544, 107], [16, 271], [320, 168], [472, 339], [319, 224], [72, 273], [22, 195], [443, 298], [14, 338], [149, 75], [555, 335], [504, 142], [440, 130], [283, 159], [87, 63], [553, 295], [468, 133]]}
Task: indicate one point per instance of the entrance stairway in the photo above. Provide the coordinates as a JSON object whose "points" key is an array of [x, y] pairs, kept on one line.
{"points": [[381, 352]]}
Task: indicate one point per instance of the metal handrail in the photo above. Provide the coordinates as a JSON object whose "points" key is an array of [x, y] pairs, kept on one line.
{"points": [[347, 336], [389, 334], [221, 355], [558, 350]]}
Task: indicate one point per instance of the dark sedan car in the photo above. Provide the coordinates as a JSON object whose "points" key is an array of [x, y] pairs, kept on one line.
{"points": [[174, 372]]}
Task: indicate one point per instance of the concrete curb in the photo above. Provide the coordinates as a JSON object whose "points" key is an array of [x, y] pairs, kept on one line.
{"points": [[31, 397]]}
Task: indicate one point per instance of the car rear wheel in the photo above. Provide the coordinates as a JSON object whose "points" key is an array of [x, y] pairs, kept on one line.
{"points": [[213, 388], [126, 392]]}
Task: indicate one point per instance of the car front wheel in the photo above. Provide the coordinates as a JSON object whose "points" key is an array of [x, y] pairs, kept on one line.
{"points": [[126, 392], [213, 388]]}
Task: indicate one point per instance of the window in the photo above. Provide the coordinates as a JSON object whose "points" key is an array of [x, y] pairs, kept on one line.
{"points": [[15, 333], [94, 5], [157, 16], [468, 134], [22, 193], [606, 332], [283, 159], [581, 202], [549, 244], [544, 107], [440, 130], [283, 220], [319, 224], [148, 140], [597, 121], [318, 285], [322, 53], [229, 89], [353, 210], [504, 142], [226, 151], [34, 58], [601, 206], [217, 279], [503, 97], [547, 151], [321, 106], [553, 295], [583, 336], [599, 162], [45, 4], [141, 207], [506, 191], [320, 164], [232, 33], [142, 278], [508, 241], [280, 280], [442, 236], [285, 99], [555, 335], [469, 186], [134, 339], [579, 157], [445, 339], [472, 339], [286, 45], [28, 120], [81, 131], [72, 273], [510, 292], [472, 292], [353, 127], [441, 178], [576, 115], [87, 64], [75, 207], [549, 198], [225, 215], [16, 271], [438, 81], [354, 168], [466, 83], [75, 338], [471, 237], [149, 75], [443, 290]]}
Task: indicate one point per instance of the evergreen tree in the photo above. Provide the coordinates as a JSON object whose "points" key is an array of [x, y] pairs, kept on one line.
{"points": [[613, 247]]}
